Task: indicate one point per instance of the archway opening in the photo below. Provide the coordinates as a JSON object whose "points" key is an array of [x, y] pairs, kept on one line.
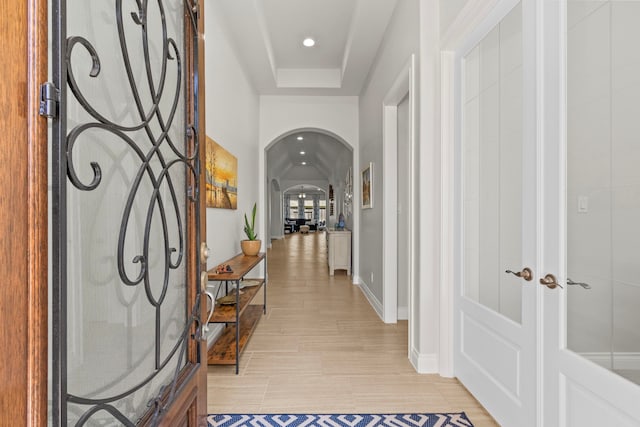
{"points": [[313, 163]]}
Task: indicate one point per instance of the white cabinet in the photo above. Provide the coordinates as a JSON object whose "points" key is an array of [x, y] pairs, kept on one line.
{"points": [[339, 251]]}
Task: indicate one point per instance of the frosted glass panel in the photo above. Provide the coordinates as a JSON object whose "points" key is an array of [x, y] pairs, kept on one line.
{"points": [[603, 184], [492, 168], [126, 202]]}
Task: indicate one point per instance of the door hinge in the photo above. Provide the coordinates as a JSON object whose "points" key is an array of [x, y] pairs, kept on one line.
{"points": [[49, 99]]}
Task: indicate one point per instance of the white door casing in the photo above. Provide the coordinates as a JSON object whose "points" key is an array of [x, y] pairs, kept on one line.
{"points": [[403, 234], [403, 86]]}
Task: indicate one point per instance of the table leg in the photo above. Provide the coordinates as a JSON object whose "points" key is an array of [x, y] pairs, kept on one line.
{"points": [[237, 326]]}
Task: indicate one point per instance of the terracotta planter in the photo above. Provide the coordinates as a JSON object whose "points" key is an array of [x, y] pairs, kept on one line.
{"points": [[250, 247]]}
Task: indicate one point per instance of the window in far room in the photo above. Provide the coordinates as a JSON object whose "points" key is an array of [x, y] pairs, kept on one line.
{"points": [[308, 209], [293, 209], [323, 210]]}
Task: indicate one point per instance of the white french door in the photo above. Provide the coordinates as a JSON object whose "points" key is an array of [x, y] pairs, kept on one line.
{"points": [[548, 118], [495, 320], [590, 211]]}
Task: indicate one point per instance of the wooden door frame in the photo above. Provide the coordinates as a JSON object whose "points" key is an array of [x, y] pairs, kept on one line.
{"points": [[202, 134], [37, 256], [23, 215]]}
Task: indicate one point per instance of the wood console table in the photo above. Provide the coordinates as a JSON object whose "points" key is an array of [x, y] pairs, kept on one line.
{"points": [[240, 318]]}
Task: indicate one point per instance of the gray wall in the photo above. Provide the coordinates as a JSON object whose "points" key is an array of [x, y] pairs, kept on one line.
{"points": [[401, 40]]}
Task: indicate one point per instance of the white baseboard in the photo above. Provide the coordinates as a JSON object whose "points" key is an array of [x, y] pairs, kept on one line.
{"points": [[403, 313], [424, 363], [377, 305], [620, 360]]}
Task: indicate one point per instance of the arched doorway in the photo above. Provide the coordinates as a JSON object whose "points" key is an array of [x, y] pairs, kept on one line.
{"points": [[317, 160]]}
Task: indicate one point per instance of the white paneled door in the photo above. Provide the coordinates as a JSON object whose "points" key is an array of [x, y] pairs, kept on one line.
{"points": [[590, 352], [495, 303], [548, 122]]}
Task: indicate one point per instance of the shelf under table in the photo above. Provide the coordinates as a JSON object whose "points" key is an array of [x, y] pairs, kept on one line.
{"points": [[240, 318], [227, 313], [223, 351]]}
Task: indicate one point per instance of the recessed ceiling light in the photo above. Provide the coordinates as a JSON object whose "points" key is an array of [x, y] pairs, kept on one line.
{"points": [[302, 153], [300, 138], [309, 42], [304, 163]]}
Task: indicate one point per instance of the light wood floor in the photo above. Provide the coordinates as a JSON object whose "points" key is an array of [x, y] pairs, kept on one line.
{"points": [[322, 349]]}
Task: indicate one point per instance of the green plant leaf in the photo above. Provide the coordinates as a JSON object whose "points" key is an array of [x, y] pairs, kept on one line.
{"points": [[249, 229]]}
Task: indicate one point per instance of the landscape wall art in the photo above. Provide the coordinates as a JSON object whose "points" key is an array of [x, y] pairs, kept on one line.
{"points": [[221, 177]]}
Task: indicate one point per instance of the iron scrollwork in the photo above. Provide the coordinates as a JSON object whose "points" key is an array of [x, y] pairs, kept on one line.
{"points": [[158, 155]]}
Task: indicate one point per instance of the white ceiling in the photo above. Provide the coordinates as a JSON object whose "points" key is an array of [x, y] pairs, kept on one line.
{"points": [[322, 154], [267, 36], [308, 190]]}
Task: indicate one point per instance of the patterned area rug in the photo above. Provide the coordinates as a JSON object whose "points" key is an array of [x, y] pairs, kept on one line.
{"points": [[355, 420]]}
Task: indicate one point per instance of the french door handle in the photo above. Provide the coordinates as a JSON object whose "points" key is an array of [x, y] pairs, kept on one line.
{"points": [[526, 273], [550, 281], [584, 285]]}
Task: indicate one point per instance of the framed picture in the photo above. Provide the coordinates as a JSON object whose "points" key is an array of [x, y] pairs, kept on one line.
{"points": [[367, 186], [348, 193], [221, 177]]}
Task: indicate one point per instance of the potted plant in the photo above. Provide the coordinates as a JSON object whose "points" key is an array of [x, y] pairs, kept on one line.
{"points": [[250, 246]]}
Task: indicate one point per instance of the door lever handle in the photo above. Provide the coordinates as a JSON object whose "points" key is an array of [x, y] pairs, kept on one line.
{"points": [[550, 281], [584, 285], [526, 273], [205, 325]]}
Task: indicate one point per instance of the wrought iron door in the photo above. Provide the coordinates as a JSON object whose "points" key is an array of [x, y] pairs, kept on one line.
{"points": [[125, 174]]}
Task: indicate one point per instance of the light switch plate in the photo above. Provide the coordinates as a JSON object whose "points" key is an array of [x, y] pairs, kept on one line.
{"points": [[583, 204]]}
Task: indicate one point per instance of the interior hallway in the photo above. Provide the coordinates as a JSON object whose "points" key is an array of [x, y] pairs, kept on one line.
{"points": [[321, 348]]}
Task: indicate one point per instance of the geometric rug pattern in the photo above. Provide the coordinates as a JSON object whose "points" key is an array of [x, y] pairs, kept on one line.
{"points": [[352, 420]]}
